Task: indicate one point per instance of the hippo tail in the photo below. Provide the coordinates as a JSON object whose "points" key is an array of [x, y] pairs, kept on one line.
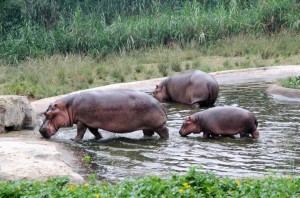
{"points": [[255, 121]]}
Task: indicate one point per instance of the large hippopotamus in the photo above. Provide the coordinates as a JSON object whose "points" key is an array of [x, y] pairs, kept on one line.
{"points": [[119, 111], [193, 87], [224, 121]]}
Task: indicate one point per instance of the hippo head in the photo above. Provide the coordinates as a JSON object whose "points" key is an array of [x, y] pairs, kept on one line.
{"points": [[255, 134], [159, 93], [56, 116], [189, 126]]}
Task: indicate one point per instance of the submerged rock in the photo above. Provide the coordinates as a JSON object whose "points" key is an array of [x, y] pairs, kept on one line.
{"points": [[287, 92]]}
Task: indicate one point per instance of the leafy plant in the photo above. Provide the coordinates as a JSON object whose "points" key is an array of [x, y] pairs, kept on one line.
{"points": [[291, 82], [87, 159], [194, 183]]}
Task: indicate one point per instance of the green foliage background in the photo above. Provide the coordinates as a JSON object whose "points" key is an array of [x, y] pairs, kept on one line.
{"points": [[30, 28]]}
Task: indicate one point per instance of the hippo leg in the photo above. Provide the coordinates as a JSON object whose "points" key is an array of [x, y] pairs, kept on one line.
{"points": [[163, 132], [244, 135], [81, 129], [148, 132], [195, 105], [231, 136], [214, 135], [206, 135], [95, 132]]}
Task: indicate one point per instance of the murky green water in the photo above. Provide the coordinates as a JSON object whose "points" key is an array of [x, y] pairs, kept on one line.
{"points": [[277, 150]]}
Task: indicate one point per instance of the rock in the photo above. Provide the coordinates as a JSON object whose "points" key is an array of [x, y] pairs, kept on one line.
{"points": [[287, 92], [16, 113], [26, 159]]}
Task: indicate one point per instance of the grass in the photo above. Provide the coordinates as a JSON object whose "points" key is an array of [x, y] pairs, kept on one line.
{"points": [[33, 29], [191, 184], [291, 82], [60, 74]]}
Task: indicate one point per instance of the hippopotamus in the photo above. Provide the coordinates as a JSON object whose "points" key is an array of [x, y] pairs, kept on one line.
{"points": [[119, 111], [224, 121], [193, 87]]}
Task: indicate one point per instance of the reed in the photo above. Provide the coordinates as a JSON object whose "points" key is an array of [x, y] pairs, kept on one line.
{"points": [[98, 28]]}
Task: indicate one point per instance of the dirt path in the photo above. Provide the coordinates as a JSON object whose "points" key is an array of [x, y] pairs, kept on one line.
{"points": [[25, 155]]}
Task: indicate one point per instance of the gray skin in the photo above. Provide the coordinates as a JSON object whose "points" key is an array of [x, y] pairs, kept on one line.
{"points": [[118, 111], [193, 87], [224, 121]]}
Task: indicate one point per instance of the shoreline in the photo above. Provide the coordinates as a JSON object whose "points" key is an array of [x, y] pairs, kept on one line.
{"points": [[26, 155]]}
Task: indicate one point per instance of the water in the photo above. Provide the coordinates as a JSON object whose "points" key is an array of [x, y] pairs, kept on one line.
{"points": [[117, 156]]}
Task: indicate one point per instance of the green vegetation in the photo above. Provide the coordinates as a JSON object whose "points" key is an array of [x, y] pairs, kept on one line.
{"points": [[291, 82], [192, 184], [58, 74], [98, 28], [87, 159]]}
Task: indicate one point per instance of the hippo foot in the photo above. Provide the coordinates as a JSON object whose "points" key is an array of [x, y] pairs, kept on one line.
{"points": [[163, 133], [245, 136], [255, 134], [148, 133], [97, 138], [195, 105], [77, 139]]}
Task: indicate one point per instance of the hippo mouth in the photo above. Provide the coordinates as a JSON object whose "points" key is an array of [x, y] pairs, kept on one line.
{"points": [[47, 130], [182, 134]]}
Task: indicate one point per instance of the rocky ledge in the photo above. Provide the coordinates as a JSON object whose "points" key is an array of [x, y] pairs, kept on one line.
{"points": [[282, 91]]}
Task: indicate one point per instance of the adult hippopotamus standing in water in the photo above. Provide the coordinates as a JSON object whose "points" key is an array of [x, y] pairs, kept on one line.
{"points": [[193, 87], [227, 121], [118, 111]]}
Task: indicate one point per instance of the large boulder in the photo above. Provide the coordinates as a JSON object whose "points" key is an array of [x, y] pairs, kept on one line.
{"points": [[16, 113]]}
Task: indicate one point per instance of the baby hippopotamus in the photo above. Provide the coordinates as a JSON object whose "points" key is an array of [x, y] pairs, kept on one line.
{"points": [[193, 87], [225, 121], [119, 111]]}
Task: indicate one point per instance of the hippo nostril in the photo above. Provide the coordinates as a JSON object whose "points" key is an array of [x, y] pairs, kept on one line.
{"points": [[182, 134], [44, 133]]}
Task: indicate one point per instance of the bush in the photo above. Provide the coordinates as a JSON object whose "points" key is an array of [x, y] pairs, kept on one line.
{"points": [[191, 184], [291, 82]]}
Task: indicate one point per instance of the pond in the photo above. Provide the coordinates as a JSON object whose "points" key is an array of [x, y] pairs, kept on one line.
{"points": [[117, 156]]}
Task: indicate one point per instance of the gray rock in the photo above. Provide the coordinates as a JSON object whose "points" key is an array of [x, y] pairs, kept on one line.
{"points": [[287, 92], [16, 113]]}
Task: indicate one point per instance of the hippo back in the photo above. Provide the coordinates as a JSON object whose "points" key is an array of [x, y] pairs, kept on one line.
{"points": [[130, 109], [192, 87]]}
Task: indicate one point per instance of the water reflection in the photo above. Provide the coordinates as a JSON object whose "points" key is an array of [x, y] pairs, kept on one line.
{"points": [[122, 155]]}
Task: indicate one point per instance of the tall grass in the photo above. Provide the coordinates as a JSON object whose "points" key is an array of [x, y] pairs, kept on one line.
{"points": [[60, 74], [99, 28]]}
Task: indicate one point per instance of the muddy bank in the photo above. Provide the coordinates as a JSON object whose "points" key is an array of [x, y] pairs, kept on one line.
{"points": [[25, 155]]}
